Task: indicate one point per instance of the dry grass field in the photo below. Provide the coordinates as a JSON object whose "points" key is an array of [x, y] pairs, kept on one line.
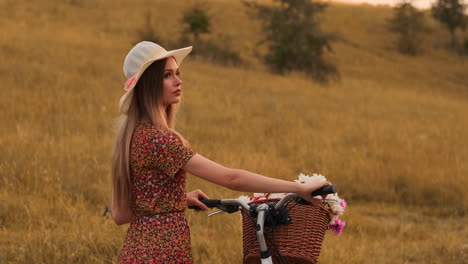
{"points": [[391, 134]]}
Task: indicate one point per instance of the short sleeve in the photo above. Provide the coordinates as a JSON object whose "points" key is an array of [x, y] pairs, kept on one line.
{"points": [[168, 152]]}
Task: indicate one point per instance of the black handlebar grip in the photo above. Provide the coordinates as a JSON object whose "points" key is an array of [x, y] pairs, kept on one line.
{"points": [[208, 202], [328, 189], [211, 202]]}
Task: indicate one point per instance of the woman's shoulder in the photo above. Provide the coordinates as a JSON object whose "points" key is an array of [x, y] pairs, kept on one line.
{"points": [[147, 130]]}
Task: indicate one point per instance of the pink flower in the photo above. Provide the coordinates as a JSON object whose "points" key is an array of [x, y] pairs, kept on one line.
{"points": [[129, 83], [337, 227], [343, 204]]}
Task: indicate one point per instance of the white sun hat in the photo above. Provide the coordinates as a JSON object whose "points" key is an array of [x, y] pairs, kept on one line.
{"points": [[138, 59]]}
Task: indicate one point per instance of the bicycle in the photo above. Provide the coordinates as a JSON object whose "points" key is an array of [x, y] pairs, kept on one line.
{"points": [[274, 215]]}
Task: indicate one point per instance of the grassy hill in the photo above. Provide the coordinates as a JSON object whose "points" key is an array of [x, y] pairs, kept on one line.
{"points": [[390, 134]]}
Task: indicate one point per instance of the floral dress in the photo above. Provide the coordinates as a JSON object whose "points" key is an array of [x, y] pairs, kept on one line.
{"points": [[159, 232]]}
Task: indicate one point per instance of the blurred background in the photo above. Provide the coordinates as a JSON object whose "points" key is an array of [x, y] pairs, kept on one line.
{"points": [[374, 97]]}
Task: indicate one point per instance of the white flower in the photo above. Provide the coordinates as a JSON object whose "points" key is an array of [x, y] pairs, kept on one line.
{"points": [[333, 197], [337, 209], [244, 198], [333, 202], [302, 178], [276, 195], [319, 177]]}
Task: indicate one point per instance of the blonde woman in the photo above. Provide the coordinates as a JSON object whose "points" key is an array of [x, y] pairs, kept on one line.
{"points": [[151, 160]]}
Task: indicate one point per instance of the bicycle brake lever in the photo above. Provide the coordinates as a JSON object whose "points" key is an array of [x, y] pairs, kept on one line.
{"points": [[215, 212], [228, 208], [225, 208]]}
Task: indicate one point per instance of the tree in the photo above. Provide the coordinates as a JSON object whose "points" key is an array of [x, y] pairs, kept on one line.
{"points": [[408, 22], [197, 22], [294, 38], [451, 13]]}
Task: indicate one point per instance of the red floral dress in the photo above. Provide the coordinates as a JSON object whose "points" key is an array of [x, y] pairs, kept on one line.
{"points": [[159, 233]]}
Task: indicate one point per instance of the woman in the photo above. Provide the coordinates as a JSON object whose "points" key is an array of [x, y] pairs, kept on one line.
{"points": [[151, 160]]}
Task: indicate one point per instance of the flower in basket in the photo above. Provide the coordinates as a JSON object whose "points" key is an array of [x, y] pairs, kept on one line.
{"points": [[332, 202], [337, 207]]}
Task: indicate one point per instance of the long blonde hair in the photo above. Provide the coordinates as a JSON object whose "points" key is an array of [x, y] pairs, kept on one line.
{"points": [[147, 101]]}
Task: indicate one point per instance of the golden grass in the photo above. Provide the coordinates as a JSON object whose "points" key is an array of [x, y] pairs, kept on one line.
{"points": [[391, 134]]}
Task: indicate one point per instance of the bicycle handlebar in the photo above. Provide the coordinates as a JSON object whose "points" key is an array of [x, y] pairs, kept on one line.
{"points": [[262, 214], [328, 189], [211, 203]]}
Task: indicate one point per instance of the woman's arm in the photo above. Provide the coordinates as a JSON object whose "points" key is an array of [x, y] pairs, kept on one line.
{"points": [[245, 181]]}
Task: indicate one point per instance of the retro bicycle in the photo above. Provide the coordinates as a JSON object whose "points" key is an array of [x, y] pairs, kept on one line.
{"points": [[287, 230]]}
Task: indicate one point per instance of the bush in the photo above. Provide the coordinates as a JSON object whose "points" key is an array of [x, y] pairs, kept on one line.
{"points": [[450, 13], [408, 22], [294, 38], [197, 22], [209, 50]]}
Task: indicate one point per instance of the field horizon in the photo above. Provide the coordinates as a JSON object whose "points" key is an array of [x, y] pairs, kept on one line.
{"points": [[391, 133]]}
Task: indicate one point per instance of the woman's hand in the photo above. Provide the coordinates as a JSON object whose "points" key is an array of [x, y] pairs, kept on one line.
{"points": [[308, 188], [194, 197]]}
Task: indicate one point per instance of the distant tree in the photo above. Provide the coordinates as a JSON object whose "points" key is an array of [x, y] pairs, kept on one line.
{"points": [[217, 49], [451, 13], [295, 41], [197, 22], [408, 22]]}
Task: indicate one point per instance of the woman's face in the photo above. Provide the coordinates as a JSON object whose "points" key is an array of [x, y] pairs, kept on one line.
{"points": [[172, 83]]}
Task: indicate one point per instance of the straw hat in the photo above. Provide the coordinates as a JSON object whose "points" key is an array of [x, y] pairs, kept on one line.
{"points": [[138, 59]]}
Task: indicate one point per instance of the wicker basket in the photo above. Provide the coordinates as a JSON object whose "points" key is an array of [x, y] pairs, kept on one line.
{"points": [[298, 242]]}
